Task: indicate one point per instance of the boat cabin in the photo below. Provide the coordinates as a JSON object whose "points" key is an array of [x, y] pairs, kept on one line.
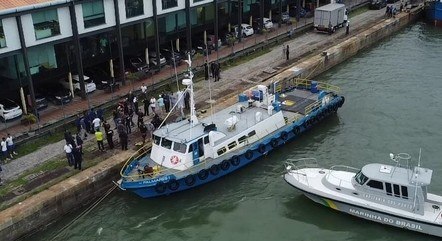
{"points": [[395, 186]]}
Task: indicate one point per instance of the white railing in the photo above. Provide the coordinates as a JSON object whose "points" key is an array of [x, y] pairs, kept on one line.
{"points": [[340, 168], [294, 166]]}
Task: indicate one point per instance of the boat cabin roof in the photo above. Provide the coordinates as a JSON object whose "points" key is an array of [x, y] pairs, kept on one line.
{"points": [[398, 175], [182, 133]]}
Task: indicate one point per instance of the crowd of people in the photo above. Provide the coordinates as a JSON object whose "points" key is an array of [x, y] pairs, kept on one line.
{"points": [[123, 116]]}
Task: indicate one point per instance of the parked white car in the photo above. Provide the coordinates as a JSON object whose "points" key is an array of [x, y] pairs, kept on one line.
{"points": [[88, 83], [9, 109], [268, 24], [246, 30]]}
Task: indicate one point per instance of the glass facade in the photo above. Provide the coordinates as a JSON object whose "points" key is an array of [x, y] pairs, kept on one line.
{"points": [[202, 15], [134, 8], [169, 3], [42, 58], [46, 24], [172, 22], [93, 13], [2, 36], [12, 76]]}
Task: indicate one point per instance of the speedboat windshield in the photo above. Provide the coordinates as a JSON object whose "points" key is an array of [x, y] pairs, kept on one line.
{"points": [[361, 178]]}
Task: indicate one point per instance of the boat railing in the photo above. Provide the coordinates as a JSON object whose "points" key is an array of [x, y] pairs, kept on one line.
{"points": [[306, 83], [313, 106], [295, 166], [340, 168]]}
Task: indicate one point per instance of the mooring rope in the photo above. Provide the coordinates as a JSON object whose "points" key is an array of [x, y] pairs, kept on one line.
{"points": [[85, 212]]}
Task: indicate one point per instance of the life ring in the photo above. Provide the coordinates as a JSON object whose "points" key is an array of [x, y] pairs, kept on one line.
{"points": [[190, 180], [173, 185], [214, 170], [203, 174], [235, 160], [296, 130], [284, 136], [174, 160], [274, 142], [261, 148], [249, 154], [225, 165], [160, 187]]}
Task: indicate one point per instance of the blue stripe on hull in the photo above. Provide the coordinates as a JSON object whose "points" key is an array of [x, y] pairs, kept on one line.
{"points": [[304, 125]]}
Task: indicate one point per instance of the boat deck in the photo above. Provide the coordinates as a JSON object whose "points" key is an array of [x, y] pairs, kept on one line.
{"points": [[296, 100]]}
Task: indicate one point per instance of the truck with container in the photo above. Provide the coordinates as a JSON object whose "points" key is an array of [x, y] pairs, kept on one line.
{"points": [[329, 17]]}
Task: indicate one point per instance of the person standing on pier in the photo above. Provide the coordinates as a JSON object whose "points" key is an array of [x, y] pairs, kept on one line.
{"points": [[287, 52], [347, 27]]}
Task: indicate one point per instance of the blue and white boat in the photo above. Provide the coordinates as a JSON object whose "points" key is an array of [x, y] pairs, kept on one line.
{"points": [[194, 151]]}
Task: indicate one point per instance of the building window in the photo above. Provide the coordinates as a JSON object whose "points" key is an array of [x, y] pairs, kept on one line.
{"points": [[2, 36], [134, 8], [93, 13], [169, 4], [46, 24]]}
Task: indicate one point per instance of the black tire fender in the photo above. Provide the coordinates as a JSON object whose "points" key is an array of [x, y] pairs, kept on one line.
{"points": [[173, 185], [190, 180], [214, 170], [262, 148], [249, 154], [203, 174], [225, 165], [235, 160], [160, 187]]}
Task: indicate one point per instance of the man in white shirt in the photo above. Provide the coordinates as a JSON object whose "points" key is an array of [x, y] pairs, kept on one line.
{"points": [[143, 89], [4, 149], [11, 146], [69, 154], [153, 103], [97, 123]]}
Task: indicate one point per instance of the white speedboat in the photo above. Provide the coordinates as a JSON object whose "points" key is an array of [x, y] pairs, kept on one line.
{"points": [[395, 195]]}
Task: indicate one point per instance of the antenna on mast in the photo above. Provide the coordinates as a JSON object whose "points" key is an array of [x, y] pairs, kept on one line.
{"points": [[210, 86], [174, 66]]}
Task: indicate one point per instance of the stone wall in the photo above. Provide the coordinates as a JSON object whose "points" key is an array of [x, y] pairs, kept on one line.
{"points": [[60, 199]]}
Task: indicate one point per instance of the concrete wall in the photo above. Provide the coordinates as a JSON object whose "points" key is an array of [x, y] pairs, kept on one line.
{"points": [[51, 204], [11, 35], [45, 207]]}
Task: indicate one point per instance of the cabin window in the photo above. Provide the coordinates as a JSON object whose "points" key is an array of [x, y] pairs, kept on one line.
{"points": [[221, 151], [180, 147], [252, 133], [231, 145], [206, 140], [360, 178], [388, 188], [404, 190], [190, 148], [396, 190], [375, 184], [156, 140], [242, 139], [166, 143]]}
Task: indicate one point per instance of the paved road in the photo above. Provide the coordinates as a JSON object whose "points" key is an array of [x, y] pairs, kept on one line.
{"points": [[233, 80]]}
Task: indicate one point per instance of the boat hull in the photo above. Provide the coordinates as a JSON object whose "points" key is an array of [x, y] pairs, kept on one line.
{"points": [[292, 131], [373, 215], [434, 13]]}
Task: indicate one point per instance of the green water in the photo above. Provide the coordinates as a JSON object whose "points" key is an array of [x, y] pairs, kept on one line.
{"points": [[393, 104]]}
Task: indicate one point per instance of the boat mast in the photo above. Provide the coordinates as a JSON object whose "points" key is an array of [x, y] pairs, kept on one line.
{"points": [[189, 82]]}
